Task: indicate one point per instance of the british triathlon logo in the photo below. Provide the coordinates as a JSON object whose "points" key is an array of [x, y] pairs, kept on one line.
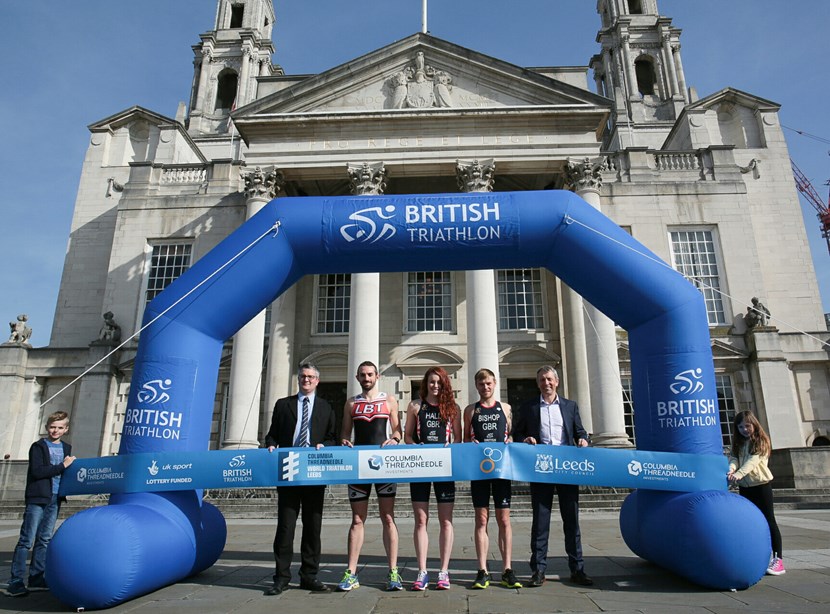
{"points": [[375, 462], [369, 225], [155, 391], [290, 464], [687, 382]]}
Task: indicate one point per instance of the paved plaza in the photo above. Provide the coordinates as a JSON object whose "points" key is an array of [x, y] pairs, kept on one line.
{"points": [[623, 582]]}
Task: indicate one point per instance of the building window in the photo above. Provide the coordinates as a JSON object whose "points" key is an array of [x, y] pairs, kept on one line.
{"points": [[694, 256], [635, 7], [237, 12], [167, 262], [628, 408], [644, 69], [226, 90], [429, 301], [726, 406], [333, 299], [520, 299]]}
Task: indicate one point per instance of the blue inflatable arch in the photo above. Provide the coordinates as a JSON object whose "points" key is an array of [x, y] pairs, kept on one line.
{"points": [[140, 542]]}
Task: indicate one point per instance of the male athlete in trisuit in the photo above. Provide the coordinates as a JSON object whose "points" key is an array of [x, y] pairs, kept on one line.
{"points": [[373, 416], [485, 421]]}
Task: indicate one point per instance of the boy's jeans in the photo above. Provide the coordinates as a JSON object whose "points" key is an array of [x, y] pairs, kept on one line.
{"points": [[37, 528]]}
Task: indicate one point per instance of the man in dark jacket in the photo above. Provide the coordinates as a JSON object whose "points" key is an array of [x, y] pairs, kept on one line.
{"points": [[301, 420], [48, 458], [553, 420]]}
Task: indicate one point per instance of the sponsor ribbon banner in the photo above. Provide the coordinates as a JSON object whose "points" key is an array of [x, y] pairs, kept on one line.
{"points": [[166, 471]]}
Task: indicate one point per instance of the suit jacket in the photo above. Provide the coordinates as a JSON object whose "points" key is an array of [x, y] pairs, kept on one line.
{"points": [[528, 424], [284, 422]]}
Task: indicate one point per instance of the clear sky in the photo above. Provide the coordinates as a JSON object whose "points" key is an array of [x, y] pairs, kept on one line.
{"points": [[69, 64]]}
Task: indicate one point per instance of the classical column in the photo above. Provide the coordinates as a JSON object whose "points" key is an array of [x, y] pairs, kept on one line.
{"points": [[242, 88], [482, 330], [281, 363], [242, 419], [628, 69], [607, 411], [364, 306], [681, 76], [669, 61], [203, 80]]}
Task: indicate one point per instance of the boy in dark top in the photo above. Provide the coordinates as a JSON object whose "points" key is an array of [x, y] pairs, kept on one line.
{"points": [[48, 458]]}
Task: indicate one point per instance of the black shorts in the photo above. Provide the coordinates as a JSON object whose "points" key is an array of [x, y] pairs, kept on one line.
{"points": [[444, 492], [360, 492], [502, 493]]}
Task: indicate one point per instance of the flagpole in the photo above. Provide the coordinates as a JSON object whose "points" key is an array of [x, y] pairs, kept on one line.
{"points": [[424, 16]]}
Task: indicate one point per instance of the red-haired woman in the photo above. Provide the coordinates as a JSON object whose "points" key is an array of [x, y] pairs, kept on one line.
{"points": [[433, 419]]}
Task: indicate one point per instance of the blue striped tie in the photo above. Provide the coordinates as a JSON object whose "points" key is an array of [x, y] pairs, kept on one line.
{"points": [[302, 438]]}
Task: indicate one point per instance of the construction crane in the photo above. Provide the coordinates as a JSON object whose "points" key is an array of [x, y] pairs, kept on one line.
{"points": [[809, 193]]}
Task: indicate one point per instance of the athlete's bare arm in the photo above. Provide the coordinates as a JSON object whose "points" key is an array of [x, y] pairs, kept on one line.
{"points": [[346, 428], [468, 422], [394, 422], [508, 413], [456, 426], [411, 418]]}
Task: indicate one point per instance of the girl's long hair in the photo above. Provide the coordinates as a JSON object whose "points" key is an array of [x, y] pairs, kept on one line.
{"points": [[446, 401], [759, 443]]}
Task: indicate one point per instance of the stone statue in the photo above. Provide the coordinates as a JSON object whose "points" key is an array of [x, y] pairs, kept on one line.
{"points": [[757, 315], [367, 179], [474, 176], [20, 332], [110, 331]]}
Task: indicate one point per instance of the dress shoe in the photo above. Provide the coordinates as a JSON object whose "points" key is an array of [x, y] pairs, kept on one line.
{"points": [[537, 579], [581, 578], [315, 586], [277, 589]]}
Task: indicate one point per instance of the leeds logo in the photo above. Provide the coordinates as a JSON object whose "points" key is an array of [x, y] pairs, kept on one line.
{"points": [[365, 229], [154, 392], [687, 382]]}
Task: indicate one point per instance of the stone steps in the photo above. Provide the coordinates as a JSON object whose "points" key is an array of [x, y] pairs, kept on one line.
{"points": [[261, 502]]}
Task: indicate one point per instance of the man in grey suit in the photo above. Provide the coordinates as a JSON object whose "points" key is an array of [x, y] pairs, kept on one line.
{"points": [[553, 420], [301, 420]]}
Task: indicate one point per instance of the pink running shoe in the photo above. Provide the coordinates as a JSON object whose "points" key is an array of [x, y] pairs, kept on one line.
{"points": [[776, 567], [421, 582], [443, 583]]}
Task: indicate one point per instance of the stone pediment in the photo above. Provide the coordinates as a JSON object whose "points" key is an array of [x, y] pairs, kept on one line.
{"points": [[420, 73]]}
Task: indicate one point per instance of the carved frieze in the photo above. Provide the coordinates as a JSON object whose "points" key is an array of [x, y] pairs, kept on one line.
{"points": [[419, 86]]}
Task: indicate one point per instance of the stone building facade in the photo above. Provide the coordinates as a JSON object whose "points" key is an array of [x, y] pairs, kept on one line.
{"points": [[704, 183]]}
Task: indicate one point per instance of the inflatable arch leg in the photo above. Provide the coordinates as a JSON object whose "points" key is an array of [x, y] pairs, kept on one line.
{"points": [[141, 542]]}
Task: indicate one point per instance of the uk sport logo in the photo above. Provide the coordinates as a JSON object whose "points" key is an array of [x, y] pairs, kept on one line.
{"points": [[290, 463], [369, 225], [687, 382], [154, 391]]}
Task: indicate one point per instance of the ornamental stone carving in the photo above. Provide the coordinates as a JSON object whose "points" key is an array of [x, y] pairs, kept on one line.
{"points": [[585, 174], [476, 176], [263, 184], [757, 315], [110, 333], [20, 332], [419, 86], [367, 179]]}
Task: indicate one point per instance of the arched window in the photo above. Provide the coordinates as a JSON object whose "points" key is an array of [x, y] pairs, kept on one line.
{"points": [[226, 90], [644, 69]]}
